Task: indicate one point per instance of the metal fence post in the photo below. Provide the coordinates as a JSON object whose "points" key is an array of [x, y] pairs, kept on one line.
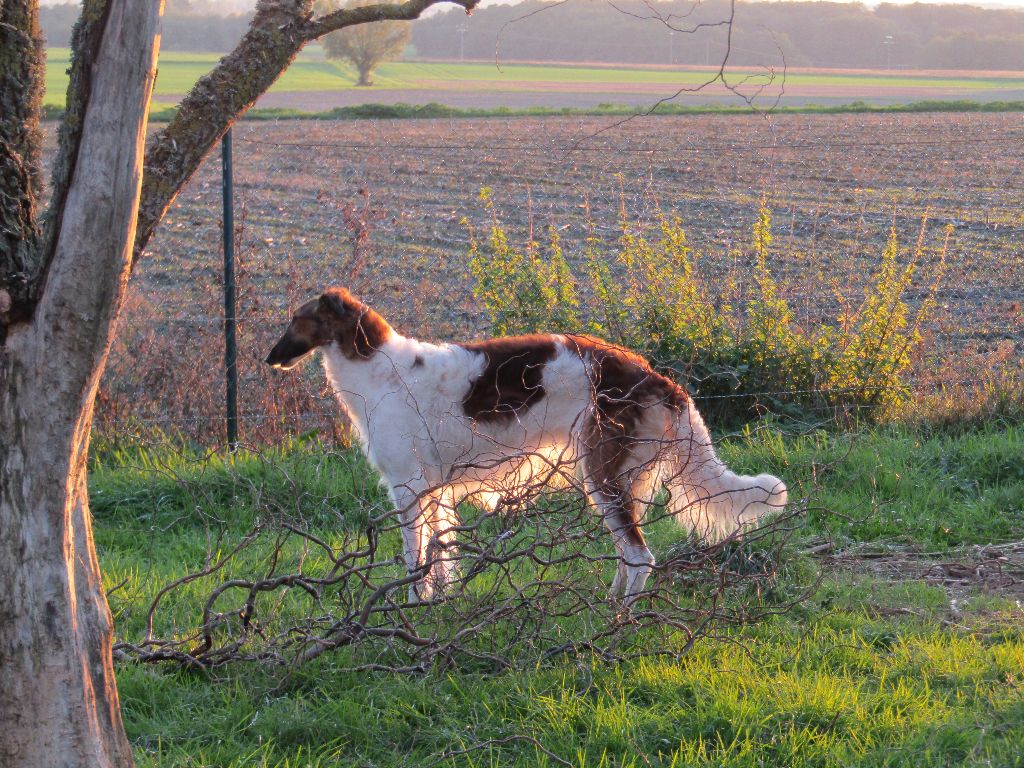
{"points": [[230, 333]]}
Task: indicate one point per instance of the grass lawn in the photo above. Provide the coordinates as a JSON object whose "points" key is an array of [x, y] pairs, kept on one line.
{"points": [[311, 72], [178, 72], [881, 667]]}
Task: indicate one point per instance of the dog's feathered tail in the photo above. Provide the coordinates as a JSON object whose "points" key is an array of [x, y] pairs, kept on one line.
{"points": [[705, 496]]}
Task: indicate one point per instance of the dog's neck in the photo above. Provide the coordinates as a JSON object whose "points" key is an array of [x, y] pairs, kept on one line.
{"points": [[363, 375], [361, 385]]}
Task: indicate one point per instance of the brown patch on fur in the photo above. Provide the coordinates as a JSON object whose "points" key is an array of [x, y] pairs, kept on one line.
{"points": [[607, 449], [608, 446], [357, 328], [625, 386], [624, 383], [337, 316], [511, 379]]}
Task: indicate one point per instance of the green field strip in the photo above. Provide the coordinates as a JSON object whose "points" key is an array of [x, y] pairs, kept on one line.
{"points": [[178, 72]]}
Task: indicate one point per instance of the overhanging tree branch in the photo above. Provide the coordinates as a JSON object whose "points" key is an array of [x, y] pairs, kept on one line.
{"points": [[347, 17], [279, 30]]}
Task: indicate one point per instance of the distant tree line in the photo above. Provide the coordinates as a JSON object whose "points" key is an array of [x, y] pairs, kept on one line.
{"points": [[815, 34], [804, 34]]}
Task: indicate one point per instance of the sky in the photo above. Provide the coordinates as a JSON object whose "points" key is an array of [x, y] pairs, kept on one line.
{"points": [[241, 5]]}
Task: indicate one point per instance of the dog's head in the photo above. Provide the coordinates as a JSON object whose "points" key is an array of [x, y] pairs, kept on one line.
{"points": [[337, 317]]}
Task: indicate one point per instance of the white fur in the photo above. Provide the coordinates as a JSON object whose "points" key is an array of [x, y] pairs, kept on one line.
{"points": [[431, 456]]}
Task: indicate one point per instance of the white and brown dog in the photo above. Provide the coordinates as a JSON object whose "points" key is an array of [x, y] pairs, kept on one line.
{"points": [[490, 419]]}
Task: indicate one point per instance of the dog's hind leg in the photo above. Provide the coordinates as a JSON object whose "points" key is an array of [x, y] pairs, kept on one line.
{"points": [[618, 469], [622, 513], [635, 559]]}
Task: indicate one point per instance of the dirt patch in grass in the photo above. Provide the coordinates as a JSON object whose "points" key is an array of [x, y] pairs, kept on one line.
{"points": [[990, 571]]}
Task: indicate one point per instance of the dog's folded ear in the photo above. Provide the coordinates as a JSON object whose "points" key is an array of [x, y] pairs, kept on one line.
{"points": [[331, 302]]}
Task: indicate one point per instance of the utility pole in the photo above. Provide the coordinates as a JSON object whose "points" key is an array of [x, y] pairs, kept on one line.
{"points": [[888, 43], [462, 30]]}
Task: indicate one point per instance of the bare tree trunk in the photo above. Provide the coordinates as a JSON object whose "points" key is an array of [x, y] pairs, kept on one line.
{"points": [[59, 705]]}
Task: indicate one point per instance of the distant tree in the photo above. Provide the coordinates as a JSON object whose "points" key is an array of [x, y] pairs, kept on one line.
{"points": [[366, 45], [56, 22]]}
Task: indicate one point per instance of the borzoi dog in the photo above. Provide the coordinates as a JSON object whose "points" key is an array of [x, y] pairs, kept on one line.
{"points": [[485, 419]]}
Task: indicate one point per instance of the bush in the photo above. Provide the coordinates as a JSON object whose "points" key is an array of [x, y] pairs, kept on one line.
{"points": [[736, 342]]}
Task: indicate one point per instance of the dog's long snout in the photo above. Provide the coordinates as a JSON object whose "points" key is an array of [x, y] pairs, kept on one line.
{"points": [[274, 356], [288, 352]]}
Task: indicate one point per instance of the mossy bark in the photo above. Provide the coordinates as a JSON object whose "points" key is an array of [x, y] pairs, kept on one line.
{"points": [[22, 72]]}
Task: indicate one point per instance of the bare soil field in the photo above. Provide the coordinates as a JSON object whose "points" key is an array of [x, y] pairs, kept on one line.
{"points": [[836, 184]]}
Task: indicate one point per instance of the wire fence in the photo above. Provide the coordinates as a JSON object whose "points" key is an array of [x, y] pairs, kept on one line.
{"points": [[386, 207]]}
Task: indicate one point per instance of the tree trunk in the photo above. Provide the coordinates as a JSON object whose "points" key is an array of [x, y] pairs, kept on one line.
{"points": [[364, 75], [59, 705]]}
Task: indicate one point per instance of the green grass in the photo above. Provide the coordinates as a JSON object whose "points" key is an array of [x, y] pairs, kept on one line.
{"points": [[311, 72], [844, 691], [901, 489], [178, 72], [409, 74], [868, 672]]}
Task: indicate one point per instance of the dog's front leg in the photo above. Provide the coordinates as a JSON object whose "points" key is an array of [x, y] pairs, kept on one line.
{"points": [[439, 540], [415, 535]]}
